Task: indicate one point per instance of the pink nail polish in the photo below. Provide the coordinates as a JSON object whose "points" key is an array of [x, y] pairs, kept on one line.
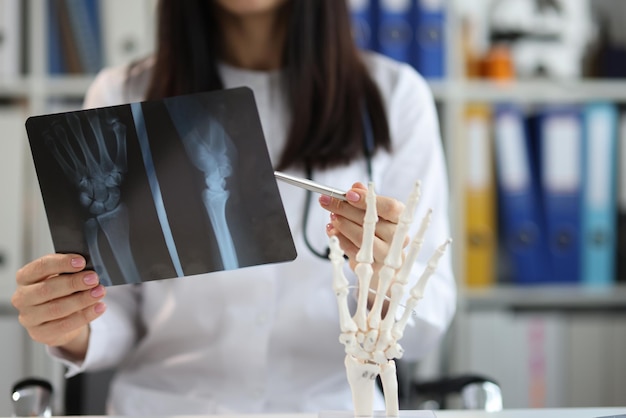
{"points": [[100, 307], [353, 196], [77, 262], [96, 292], [90, 279], [325, 200]]}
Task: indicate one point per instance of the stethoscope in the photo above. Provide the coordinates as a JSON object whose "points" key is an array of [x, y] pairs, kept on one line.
{"points": [[368, 149]]}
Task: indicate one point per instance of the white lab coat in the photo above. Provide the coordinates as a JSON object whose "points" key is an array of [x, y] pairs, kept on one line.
{"points": [[265, 339]]}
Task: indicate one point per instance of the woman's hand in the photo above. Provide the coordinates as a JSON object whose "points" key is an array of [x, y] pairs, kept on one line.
{"points": [[346, 223], [57, 300]]}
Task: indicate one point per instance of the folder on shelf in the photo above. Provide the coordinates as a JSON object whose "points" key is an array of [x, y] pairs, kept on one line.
{"points": [[523, 257], [84, 18], [12, 148], [599, 203], [558, 132], [621, 200], [429, 55], [395, 29], [10, 38], [480, 217], [69, 49], [127, 30], [363, 16], [56, 61]]}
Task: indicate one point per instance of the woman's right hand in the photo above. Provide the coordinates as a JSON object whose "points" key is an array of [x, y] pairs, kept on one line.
{"points": [[57, 300]]}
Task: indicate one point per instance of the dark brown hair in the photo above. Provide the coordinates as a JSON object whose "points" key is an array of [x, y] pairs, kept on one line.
{"points": [[328, 84]]}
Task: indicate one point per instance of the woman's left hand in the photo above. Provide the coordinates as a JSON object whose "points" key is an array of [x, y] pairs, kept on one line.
{"points": [[346, 223]]}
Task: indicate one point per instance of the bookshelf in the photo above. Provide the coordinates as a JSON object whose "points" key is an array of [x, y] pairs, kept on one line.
{"points": [[557, 91], [546, 298], [457, 90], [491, 333]]}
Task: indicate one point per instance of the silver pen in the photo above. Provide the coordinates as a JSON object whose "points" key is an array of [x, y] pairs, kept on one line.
{"points": [[310, 185]]}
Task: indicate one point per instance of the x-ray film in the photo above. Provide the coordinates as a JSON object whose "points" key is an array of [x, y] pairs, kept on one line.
{"points": [[163, 188]]}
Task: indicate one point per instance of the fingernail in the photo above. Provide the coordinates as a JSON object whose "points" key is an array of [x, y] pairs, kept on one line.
{"points": [[90, 279], [353, 196], [100, 307], [329, 227], [325, 200], [96, 292], [78, 262], [333, 216]]}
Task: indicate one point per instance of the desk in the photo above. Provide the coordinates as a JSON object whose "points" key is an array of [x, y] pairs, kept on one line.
{"points": [[536, 413], [509, 413], [512, 413]]}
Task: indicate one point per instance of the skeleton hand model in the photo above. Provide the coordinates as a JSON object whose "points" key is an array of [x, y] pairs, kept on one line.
{"points": [[371, 340], [97, 171]]}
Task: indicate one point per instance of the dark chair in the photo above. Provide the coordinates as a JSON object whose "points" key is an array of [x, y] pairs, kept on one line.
{"points": [[466, 391], [473, 392], [32, 397]]}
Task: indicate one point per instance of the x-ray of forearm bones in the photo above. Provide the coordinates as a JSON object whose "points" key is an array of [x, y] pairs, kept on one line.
{"points": [[371, 340], [211, 150], [98, 174]]}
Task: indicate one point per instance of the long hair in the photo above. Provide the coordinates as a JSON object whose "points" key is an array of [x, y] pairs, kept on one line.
{"points": [[329, 88]]}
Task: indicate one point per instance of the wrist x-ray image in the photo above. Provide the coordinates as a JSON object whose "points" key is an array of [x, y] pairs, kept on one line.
{"points": [[161, 189]]}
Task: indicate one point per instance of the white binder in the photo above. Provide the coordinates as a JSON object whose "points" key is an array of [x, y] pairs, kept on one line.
{"points": [[128, 29], [12, 148], [10, 38]]}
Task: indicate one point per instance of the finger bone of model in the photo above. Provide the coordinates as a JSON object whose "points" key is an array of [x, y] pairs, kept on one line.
{"points": [[393, 260], [397, 287], [340, 286], [417, 292], [365, 258]]}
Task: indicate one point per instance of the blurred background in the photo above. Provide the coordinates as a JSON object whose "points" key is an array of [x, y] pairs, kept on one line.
{"points": [[531, 97]]}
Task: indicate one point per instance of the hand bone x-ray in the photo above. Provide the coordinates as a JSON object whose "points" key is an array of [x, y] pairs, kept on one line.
{"points": [[161, 189]]}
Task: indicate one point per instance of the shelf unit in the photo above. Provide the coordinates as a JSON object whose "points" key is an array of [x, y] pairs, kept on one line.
{"points": [[454, 95], [534, 91], [573, 306], [574, 298], [457, 91]]}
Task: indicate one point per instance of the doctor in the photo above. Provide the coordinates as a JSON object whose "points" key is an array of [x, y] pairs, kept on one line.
{"points": [[261, 339]]}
